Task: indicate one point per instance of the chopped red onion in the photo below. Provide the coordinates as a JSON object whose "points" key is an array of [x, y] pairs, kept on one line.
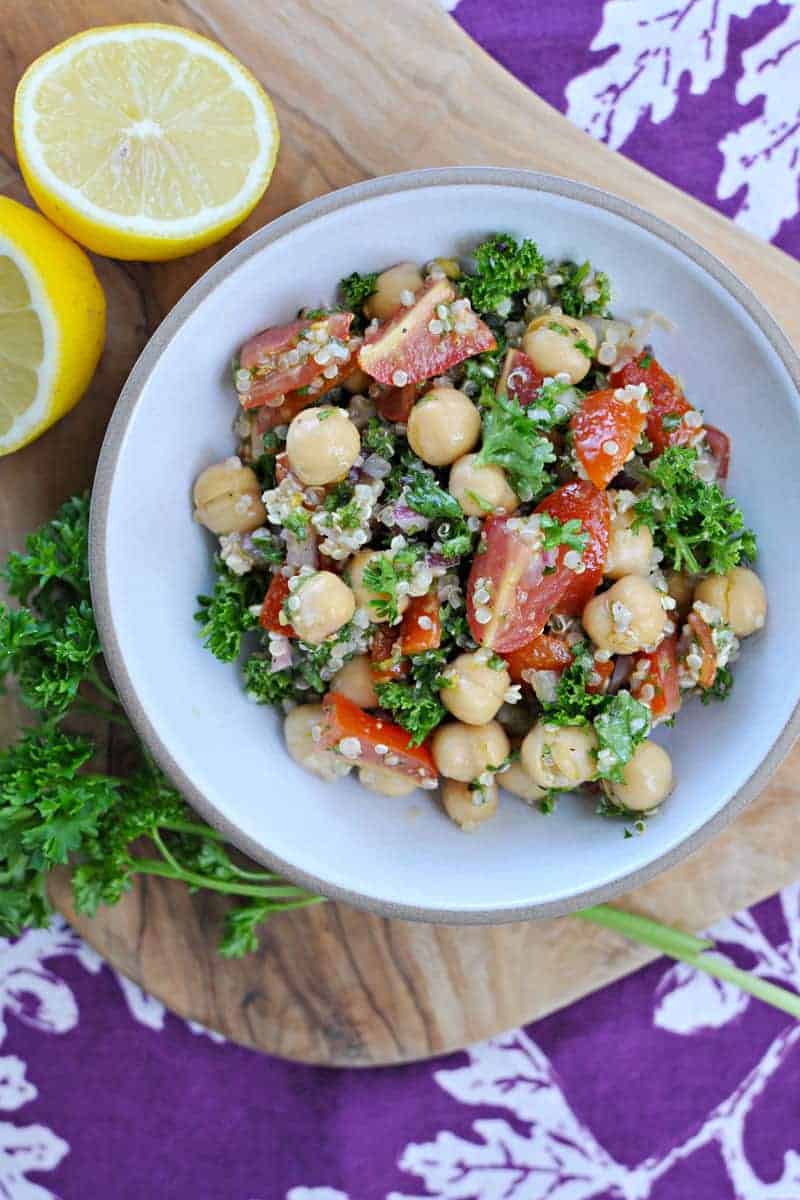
{"points": [[621, 674], [376, 467], [301, 554], [407, 519], [280, 649]]}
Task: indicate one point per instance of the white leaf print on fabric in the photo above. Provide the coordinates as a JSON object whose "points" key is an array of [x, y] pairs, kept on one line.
{"points": [[315, 1193], [15, 1089], [763, 155], [558, 1158], [655, 43], [26, 1149], [688, 1001], [28, 990]]}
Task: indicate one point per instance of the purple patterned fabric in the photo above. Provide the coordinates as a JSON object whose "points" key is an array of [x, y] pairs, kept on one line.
{"points": [[663, 1087]]}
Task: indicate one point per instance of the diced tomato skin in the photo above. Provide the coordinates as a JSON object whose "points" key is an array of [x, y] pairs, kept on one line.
{"points": [[269, 382], [583, 500], [414, 639], [703, 635], [272, 606], [604, 421], [396, 404], [519, 378], [662, 676], [386, 663], [547, 652], [666, 398], [604, 671], [404, 342], [344, 719], [720, 446]]}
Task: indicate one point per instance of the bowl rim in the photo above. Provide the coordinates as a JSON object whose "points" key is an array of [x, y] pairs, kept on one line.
{"points": [[115, 438]]}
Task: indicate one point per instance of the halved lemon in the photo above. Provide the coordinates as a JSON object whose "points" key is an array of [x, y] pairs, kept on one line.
{"points": [[52, 324], [144, 141]]}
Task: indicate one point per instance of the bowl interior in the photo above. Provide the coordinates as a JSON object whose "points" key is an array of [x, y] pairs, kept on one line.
{"points": [[150, 560]]}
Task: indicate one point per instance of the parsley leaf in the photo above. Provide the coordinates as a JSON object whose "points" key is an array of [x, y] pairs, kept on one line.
{"points": [[358, 288], [383, 574], [379, 438], [698, 527], [571, 296], [503, 266], [556, 534], [573, 705], [415, 703], [225, 615], [511, 441], [620, 725]]}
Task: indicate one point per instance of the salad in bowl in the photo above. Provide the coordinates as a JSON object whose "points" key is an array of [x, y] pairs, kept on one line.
{"points": [[476, 536]]}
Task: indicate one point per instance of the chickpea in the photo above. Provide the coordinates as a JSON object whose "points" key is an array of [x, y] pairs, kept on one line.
{"points": [[325, 604], [559, 756], [389, 286], [468, 807], [364, 595], [626, 618], [322, 444], [681, 588], [386, 782], [480, 490], [227, 498], [465, 751], [443, 425], [476, 690], [552, 340], [517, 781], [355, 681], [298, 729], [646, 779], [628, 551], [739, 596]]}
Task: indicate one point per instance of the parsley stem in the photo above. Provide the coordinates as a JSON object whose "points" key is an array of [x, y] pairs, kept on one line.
{"points": [[265, 892], [192, 829], [93, 676], [686, 948]]}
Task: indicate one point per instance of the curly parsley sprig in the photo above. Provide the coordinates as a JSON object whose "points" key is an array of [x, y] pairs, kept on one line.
{"points": [[56, 808]]}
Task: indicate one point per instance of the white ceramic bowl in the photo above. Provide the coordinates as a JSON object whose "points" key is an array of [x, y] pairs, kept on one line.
{"points": [[149, 561]]}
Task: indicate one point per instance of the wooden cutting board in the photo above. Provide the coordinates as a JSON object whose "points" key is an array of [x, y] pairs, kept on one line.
{"points": [[364, 89]]}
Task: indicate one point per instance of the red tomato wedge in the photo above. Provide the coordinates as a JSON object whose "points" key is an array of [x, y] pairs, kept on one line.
{"points": [[720, 446], [519, 378], [269, 617], [385, 661], [521, 596], [605, 431], [662, 677], [343, 719], [701, 631], [590, 506], [421, 628], [405, 344], [397, 403], [547, 652], [264, 357], [603, 671], [665, 396]]}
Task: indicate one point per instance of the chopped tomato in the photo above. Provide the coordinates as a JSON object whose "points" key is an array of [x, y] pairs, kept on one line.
{"points": [[346, 722], [264, 356], [404, 345], [701, 631], [520, 595], [602, 671], [666, 398], [661, 676], [396, 404], [385, 660], [605, 431], [421, 629], [590, 506], [519, 378], [547, 652], [720, 446], [272, 606], [282, 468]]}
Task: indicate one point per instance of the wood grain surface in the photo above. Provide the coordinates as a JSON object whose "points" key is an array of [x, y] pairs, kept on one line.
{"points": [[365, 89]]}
